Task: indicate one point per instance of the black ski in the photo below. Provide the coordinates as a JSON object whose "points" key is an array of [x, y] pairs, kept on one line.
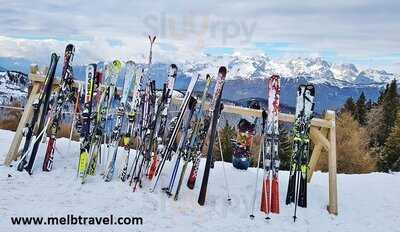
{"points": [[215, 106], [40, 107], [297, 186]]}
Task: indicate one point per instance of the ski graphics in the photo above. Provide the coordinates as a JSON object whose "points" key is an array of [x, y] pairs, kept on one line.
{"points": [[65, 93], [215, 107]]}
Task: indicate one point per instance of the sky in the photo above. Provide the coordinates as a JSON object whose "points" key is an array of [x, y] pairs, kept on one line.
{"points": [[363, 32]]}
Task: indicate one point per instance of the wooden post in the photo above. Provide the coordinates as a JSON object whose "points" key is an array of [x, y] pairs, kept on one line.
{"points": [[318, 146], [333, 204], [26, 116]]}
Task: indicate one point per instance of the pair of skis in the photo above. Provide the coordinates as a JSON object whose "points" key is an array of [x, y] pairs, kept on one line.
{"points": [[130, 130], [297, 186], [40, 112], [160, 136], [269, 150]]}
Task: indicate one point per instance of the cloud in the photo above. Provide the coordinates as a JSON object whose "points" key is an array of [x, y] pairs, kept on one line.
{"points": [[344, 30]]}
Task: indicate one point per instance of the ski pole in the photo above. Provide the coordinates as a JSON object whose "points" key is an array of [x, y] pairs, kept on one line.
{"points": [[258, 168], [223, 168]]}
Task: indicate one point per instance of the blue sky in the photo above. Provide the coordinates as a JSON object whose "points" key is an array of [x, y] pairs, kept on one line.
{"points": [[363, 32]]}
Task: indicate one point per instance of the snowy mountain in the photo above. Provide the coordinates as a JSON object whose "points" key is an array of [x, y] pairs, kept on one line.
{"points": [[247, 77], [261, 66]]}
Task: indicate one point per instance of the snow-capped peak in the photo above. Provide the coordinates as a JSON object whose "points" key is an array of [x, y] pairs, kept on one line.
{"points": [[261, 66]]}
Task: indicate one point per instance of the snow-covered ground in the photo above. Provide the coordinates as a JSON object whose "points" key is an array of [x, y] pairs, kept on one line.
{"points": [[366, 202]]}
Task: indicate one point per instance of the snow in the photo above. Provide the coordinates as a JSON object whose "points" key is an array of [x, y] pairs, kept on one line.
{"points": [[368, 202]]}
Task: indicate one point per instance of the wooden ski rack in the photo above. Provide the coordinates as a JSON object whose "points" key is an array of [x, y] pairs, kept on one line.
{"points": [[322, 133]]}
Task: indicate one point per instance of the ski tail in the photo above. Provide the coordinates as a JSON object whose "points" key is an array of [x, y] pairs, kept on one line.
{"points": [[153, 167], [193, 173], [302, 201], [275, 195], [48, 159], [265, 196], [291, 186]]}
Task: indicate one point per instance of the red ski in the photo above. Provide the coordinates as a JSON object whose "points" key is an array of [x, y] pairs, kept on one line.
{"points": [[270, 189]]}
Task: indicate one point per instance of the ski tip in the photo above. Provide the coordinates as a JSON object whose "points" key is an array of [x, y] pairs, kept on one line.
{"points": [[69, 47], [267, 218], [251, 216], [222, 70], [29, 172], [310, 87], [130, 62], [9, 175], [275, 77]]}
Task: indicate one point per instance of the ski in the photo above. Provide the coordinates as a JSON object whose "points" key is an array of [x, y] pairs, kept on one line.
{"points": [[64, 94], [168, 149], [130, 83], [215, 107], [173, 69], [297, 186], [115, 69], [148, 124], [86, 122], [132, 116], [163, 100], [270, 191], [95, 152], [40, 108]]}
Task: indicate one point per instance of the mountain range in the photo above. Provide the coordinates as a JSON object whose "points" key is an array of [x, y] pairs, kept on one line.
{"points": [[247, 77]]}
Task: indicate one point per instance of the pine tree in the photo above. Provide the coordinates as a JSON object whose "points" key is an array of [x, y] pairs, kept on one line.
{"points": [[349, 106], [375, 125], [360, 113], [227, 133], [369, 105], [391, 107], [285, 148], [390, 160]]}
